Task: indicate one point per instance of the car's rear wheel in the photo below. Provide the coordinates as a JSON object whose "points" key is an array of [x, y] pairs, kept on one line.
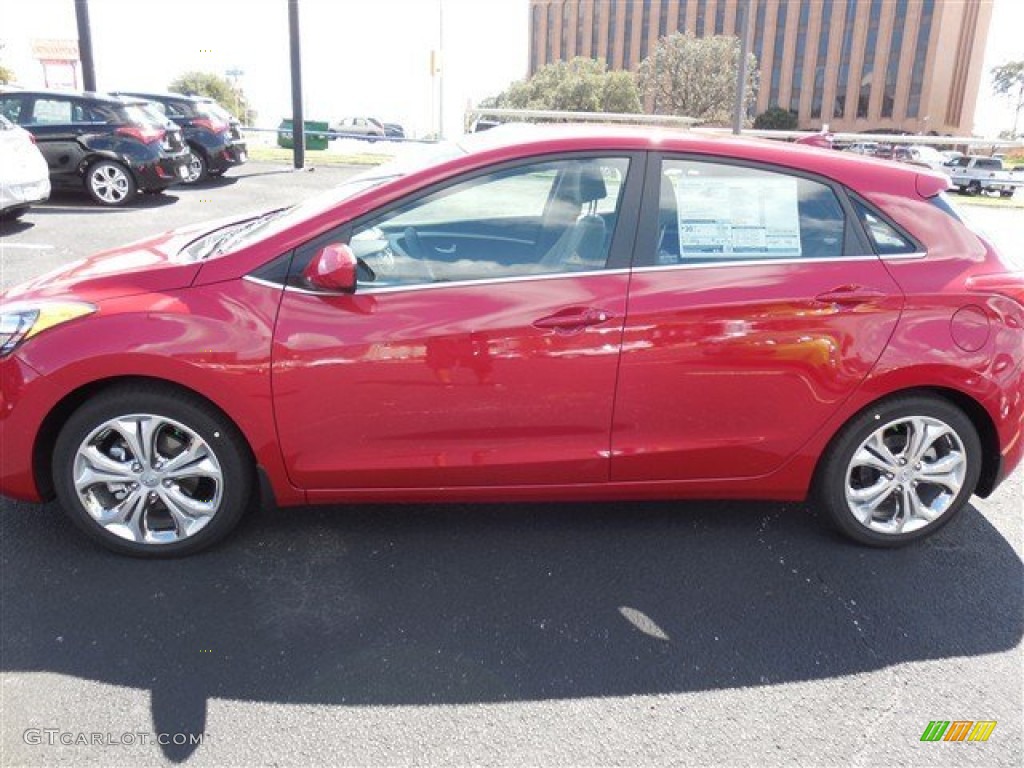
{"points": [[197, 167], [110, 183], [151, 472], [974, 188], [900, 470]]}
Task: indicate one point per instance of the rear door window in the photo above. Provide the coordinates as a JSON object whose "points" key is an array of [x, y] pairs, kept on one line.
{"points": [[716, 212]]}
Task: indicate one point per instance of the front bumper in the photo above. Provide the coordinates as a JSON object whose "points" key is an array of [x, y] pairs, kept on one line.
{"points": [[25, 400]]}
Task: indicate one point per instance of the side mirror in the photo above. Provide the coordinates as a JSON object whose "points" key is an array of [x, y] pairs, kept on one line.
{"points": [[333, 269]]}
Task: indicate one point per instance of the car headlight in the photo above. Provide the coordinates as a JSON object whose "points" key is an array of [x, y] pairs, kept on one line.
{"points": [[21, 321]]}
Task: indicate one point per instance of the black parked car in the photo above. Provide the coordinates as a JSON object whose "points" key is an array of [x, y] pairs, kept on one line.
{"points": [[107, 145], [213, 134]]}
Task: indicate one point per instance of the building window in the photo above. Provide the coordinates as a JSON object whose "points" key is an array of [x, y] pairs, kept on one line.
{"points": [[780, 47], [551, 35], [535, 40], [627, 42], [613, 13], [645, 29], [843, 81], [868, 67], [737, 22], [924, 32], [681, 15], [702, 9], [579, 29], [595, 30], [663, 19], [819, 65], [798, 63], [563, 52], [892, 69], [759, 32], [720, 17]]}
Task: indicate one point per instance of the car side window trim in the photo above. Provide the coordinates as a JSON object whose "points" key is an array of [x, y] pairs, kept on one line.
{"points": [[619, 252], [856, 245]]}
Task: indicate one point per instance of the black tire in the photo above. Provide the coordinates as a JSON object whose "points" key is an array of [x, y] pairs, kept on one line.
{"points": [[1006, 193], [231, 458], [198, 167], [110, 183], [836, 468], [974, 188]]}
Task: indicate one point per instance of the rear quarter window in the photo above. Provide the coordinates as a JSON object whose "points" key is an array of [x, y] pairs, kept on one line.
{"points": [[884, 236]]}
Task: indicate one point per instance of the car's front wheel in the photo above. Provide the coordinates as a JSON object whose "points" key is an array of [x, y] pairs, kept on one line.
{"points": [[152, 472], [110, 183], [900, 470]]}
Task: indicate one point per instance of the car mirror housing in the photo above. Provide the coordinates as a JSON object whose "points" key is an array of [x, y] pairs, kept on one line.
{"points": [[332, 269]]}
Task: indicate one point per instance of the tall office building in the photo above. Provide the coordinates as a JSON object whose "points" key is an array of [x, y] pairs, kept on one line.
{"points": [[856, 65]]}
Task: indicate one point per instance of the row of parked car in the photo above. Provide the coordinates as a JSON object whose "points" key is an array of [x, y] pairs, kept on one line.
{"points": [[968, 174], [115, 146]]}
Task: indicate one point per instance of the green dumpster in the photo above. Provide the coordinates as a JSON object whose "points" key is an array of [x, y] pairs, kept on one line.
{"points": [[313, 140]]}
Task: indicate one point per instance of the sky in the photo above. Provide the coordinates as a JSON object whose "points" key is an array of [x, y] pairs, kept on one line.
{"points": [[360, 57]]}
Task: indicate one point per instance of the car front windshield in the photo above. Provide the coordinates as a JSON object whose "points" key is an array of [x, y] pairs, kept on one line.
{"points": [[417, 158]]}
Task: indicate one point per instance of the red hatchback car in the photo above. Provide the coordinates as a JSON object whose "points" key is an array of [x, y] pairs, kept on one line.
{"points": [[564, 313]]}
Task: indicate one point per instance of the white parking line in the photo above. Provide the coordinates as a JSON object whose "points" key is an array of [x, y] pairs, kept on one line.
{"points": [[29, 246]]}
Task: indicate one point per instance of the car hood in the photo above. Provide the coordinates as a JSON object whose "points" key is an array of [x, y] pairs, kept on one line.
{"points": [[146, 266]]}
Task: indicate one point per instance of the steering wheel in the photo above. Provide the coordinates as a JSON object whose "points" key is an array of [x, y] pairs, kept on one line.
{"points": [[418, 253]]}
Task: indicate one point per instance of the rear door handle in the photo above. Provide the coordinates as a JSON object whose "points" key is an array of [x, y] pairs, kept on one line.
{"points": [[574, 319], [851, 295]]}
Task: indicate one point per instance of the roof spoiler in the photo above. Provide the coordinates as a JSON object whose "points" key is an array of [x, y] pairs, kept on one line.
{"points": [[931, 184]]}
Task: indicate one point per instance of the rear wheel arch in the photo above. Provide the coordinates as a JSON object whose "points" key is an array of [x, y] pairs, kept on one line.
{"points": [[971, 408], [46, 437]]}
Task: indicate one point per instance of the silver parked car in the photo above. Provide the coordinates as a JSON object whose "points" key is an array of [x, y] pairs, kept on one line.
{"points": [[24, 176]]}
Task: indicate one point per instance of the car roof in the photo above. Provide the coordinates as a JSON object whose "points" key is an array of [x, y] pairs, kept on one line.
{"points": [[512, 141], [167, 96], [106, 98]]}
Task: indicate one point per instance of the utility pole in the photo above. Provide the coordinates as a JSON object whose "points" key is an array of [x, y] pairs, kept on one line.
{"points": [[741, 77], [85, 45], [298, 124], [440, 74]]}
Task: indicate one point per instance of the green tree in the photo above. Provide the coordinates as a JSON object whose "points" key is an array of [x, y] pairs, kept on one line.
{"points": [[579, 85], [776, 119], [696, 77], [219, 88], [6, 75], [1008, 80]]}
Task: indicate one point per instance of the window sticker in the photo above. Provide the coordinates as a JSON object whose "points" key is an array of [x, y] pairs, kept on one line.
{"points": [[722, 217]]}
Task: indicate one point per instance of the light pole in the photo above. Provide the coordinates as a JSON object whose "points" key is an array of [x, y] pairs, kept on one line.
{"points": [[741, 77], [234, 73]]}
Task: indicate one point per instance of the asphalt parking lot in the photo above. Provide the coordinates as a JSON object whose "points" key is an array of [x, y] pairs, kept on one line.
{"points": [[616, 633]]}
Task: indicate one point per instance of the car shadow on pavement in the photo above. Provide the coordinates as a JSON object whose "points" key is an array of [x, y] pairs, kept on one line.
{"points": [[65, 201], [16, 226], [448, 604]]}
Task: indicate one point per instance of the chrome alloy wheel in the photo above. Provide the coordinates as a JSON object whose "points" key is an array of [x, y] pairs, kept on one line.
{"points": [[109, 183], [148, 479], [195, 168], [906, 475]]}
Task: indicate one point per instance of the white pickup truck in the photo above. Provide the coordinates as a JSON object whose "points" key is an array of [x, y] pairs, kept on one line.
{"points": [[974, 174]]}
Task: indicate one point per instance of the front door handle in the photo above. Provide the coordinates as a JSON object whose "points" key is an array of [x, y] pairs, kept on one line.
{"points": [[850, 295], [574, 319]]}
